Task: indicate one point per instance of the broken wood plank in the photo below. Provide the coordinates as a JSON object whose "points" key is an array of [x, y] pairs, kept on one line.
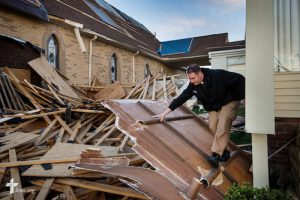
{"points": [[21, 126], [68, 192], [18, 194], [106, 135], [45, 132], [63, 123], [62, 151], [60, 135], [75, 131], [38, 162], [47, 72], [24, 91], [105, 124], [45, 189], [14, 140], [101, 187], [113, 91], [55, 95]]}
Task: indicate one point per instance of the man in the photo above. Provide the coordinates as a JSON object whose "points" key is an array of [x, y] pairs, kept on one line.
{"points": [[220, 93]]}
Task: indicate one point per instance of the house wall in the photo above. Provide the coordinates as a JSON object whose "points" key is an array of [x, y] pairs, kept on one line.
{"points": [[72, 62], [231, 60], [287, 94]]}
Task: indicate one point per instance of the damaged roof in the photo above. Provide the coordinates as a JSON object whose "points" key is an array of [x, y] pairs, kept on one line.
{"points": [[101, 17], [31, 7], [176, 151]]}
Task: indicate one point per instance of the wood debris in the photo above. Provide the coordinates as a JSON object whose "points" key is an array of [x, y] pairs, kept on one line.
{"points": [[44, 130]]}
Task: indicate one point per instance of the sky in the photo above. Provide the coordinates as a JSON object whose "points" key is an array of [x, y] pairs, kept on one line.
{"points": [[177, 19]]}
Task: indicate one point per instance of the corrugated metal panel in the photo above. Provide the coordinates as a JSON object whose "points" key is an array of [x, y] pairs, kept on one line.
{"points": [[287, 94]]}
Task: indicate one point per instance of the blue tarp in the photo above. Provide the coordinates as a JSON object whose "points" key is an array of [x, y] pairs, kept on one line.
{"points": [[175, 46]]}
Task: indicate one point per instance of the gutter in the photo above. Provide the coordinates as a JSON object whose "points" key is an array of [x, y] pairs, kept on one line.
{"points": [[133, 67], [90, 59]]}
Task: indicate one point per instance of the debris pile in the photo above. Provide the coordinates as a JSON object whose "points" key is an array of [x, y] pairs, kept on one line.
{"points": [[46, 130]]}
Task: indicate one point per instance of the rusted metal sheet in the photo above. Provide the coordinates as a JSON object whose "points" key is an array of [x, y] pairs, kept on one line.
{"points": [[179, 147]]}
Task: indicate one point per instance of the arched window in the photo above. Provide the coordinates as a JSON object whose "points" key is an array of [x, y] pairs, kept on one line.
{"points": [[52, 51], [147, 71], [113, 68]]}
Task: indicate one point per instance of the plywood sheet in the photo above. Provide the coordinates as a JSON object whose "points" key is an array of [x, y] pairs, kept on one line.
{"points": [[13, 140], [113, 91], [48, 73], [61, 151]]}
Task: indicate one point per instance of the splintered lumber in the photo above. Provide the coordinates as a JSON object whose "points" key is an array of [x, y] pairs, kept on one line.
{"points": [[45, 132], [18, 195], [21, 125], [45, 189], [53, 186], [55, 95], [101, 187], [39, 162], [63, 123], [63, 151], [12, 140], [68, 192], [95, 133], [48, 73], [20, 87]]}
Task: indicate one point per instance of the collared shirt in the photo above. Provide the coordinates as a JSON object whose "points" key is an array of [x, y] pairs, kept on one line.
{"points": [[218, 88]]}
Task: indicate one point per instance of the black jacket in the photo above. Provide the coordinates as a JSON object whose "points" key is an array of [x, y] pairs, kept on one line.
{"points": [[218, 88]]}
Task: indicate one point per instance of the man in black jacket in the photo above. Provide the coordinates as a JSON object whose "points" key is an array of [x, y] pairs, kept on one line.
{"points": [[220, 93]]}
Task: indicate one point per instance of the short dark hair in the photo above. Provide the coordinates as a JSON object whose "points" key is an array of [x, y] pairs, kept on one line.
{"points": [[193, 68]]}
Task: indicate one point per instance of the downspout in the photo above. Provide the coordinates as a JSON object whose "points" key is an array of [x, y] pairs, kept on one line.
{"points": [[90, 59], [79, 39], [133, 67]]}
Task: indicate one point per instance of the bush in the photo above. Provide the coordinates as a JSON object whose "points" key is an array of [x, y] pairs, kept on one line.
{"points": [[247, 192]]}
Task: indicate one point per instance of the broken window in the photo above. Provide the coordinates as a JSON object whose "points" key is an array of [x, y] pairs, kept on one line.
{"points": [[113, 68], [52, 51]]}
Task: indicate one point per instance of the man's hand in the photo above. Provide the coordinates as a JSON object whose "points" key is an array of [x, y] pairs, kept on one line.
{"points": [[163, 115]]}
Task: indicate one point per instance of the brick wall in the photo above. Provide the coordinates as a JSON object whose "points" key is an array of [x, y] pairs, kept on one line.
{"points": [[280, 165], [72, 63]]}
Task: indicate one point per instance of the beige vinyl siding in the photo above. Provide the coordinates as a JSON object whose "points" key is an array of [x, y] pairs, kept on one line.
{"points": [[287, 94]]}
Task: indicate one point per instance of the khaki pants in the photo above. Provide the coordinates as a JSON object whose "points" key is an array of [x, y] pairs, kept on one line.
{"points": [[220, 124]]}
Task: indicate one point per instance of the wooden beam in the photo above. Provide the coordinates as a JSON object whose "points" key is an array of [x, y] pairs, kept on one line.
{"points": [[45, 132], [63, 123], [101, 187], [18, 194], [21, 126], [45, 189], [68, 192], [38, 162]]}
